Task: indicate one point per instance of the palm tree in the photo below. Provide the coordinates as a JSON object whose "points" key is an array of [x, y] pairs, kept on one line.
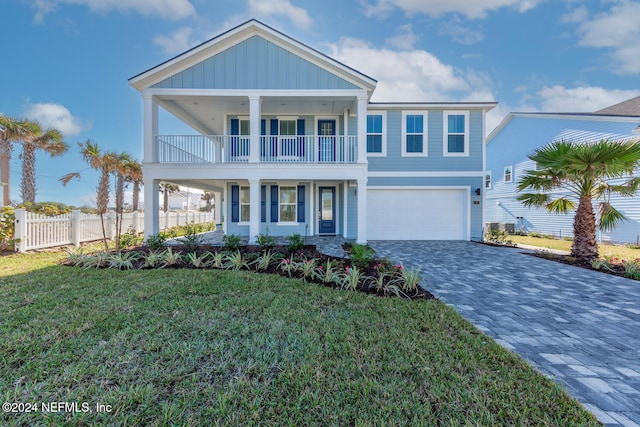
{"points": [[583, 172], [103, 162], [50, 141], [208, 197], [11, 131], [167, 188], [120, 170], [134, 176]]}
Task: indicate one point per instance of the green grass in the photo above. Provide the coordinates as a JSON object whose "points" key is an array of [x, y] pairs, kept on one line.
{"points": [[620, 251], [196, 347]]}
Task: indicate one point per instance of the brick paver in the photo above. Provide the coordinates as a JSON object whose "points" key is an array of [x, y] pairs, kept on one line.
{"points": [[579, 327]]}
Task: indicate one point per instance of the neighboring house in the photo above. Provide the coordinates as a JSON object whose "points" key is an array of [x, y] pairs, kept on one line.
{"points": [[520, 134], [290, 143]]}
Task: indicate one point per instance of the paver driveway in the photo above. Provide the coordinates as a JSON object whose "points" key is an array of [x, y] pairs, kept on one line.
{"points": [[580, 327]]}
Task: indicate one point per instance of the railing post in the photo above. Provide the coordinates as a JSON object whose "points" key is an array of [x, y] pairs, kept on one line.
{"points": [[20, 230], [76, 227]]}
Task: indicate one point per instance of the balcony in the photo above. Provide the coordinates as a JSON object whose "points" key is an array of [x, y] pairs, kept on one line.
{"points": [[273, 149]]}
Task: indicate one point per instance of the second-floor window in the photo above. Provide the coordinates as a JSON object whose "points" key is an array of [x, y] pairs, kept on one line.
{"points": [[508, 174], [287, 127], [456, 137], [375, 134], [414, 134], [487, 180]]}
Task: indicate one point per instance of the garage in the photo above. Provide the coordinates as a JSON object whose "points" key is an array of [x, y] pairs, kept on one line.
{"points": [[417, 214]]}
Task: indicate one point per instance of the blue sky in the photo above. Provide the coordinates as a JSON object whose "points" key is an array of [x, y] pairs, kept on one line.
{"points": [[66, 62]]}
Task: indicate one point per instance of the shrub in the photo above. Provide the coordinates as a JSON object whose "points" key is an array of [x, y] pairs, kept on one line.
{"points": [[265, 241], [130, 239], [410, 278], [156, 241], [264, 261], [632, 270], [600, 263], [498, 237], [122, 260], [288, 265], [191, 240], [235, 262], [535, 234], [172, 258], [361, 254], [352, 278], [231, 242], [308, 268], [296, 242], [197, 261], [7, 227], [153, 259]]}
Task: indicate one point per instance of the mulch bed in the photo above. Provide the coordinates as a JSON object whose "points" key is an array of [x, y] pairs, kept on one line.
{"points": [[308, 252], [615, 269]]}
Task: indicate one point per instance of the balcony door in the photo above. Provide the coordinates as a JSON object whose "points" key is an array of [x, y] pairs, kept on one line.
{"points": [[327, 140]]}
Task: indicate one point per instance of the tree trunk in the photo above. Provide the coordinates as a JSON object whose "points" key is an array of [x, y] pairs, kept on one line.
{"points": [[5, 163], [28, 184], [166, 199], [584, 231], [136, 196]]}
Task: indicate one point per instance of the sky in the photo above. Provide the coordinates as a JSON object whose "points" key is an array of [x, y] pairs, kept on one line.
{"points": [[66, 63]]}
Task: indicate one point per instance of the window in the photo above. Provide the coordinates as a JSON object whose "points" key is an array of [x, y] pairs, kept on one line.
{"points": [[487, 180], [288, 204], [413, 134], [287, 127], [508, 174], [245, 206], [456, 138], [244, 127], [376, 140]]}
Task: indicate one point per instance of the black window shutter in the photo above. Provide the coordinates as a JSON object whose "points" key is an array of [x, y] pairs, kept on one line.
{"points": [[263, 203], [235, 203], [274, 203], [300, 203]]}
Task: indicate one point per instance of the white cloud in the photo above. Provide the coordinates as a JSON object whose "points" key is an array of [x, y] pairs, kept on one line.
{"points": [[461, 32], [168, 9], [176, 42], [617, 30], [472, 9], [56, 116], [581, 99], [405, 39], [267, 8], [413, 75]]}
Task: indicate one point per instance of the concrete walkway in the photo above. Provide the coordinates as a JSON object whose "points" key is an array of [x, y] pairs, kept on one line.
{"points": [[579, 327]]}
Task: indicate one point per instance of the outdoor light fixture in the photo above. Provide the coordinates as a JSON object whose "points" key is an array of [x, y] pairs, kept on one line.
{"points": [[477, 191]]}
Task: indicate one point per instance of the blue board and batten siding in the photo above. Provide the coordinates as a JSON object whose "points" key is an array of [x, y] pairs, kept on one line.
{"points": [[435, 160], [255, 63], [520, 137]]}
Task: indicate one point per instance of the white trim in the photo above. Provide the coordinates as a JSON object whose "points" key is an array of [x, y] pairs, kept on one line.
{"points": [[445, 133], [343, 94], [295, 204], [504, 175], [287, 117], [484, 184], [345, 217], [383, 152], [423, 174], [425, 133], [486, 106], [286, 224], [466, 188]]}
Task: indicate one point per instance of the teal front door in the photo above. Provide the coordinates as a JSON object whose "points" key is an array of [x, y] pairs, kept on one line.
{"points": [[327, 214]]}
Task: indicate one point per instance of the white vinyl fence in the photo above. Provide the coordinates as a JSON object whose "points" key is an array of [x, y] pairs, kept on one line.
{"points": [[35, 231]]}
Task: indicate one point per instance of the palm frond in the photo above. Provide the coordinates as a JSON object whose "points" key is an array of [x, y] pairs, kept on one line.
{"points": [[65, 179], [561, 205], [534, 199], [610, 217]]}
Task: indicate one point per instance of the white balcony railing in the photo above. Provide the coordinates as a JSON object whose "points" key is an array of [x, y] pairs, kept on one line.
{"points": [[273, 149]]}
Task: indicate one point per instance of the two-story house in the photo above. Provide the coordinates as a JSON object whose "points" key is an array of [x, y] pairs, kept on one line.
{"points": [[288, 139]]}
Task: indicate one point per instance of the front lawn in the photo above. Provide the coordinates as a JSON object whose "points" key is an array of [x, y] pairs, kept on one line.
{"points": [[605, 250], [214, 347]]}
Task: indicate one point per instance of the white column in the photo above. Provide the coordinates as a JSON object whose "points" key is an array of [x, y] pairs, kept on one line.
{"points": [[362, 211], [217, 207], [254, 215], [313, 214], [150, 128], [151, 207], [254, 129], [362, 129], [345, 208]]}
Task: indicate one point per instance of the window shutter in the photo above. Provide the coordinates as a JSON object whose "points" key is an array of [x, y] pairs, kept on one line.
{"points": [[274, 137], [274, 203], [235, 203], [235, 127], [300, 131], [263, 127], [263, 203], [300, 203]]}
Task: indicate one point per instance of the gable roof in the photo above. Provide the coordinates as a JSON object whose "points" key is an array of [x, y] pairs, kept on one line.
{"points": [[593, 117], [238, 34], [630, 107]]}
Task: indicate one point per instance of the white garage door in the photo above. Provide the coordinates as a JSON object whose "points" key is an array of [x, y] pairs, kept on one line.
{"points": [[416, 214]]}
